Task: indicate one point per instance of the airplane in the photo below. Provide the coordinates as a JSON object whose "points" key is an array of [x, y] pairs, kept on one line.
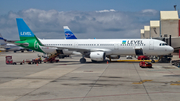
{"points": [[9, 46], [96, 49], [69, 35]]}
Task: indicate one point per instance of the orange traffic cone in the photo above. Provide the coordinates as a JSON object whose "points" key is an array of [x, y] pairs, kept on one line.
{"points": [[37, 64], [107, 62]]}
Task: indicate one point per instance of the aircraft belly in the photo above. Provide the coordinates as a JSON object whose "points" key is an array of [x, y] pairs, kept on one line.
{"points": [[49, 50], [67, 52], [124, 51]]}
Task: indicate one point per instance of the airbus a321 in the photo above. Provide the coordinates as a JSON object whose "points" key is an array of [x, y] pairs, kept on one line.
{"points": [[96, 49]]}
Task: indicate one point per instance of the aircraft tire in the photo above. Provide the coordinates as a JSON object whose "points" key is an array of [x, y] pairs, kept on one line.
{"points": [[152, 61], [83, 60]]}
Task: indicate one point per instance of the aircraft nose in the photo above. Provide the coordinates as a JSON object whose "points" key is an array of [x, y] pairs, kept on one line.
{"points": [[170, 49]]}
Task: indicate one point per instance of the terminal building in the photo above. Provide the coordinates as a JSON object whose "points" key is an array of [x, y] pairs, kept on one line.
{"points": [[146, 32], [154, 29], [169, 21], [142, 33]]}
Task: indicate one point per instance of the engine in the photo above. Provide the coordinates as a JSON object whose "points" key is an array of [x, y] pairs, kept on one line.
{"points": [[97, 56], [113, 56]]}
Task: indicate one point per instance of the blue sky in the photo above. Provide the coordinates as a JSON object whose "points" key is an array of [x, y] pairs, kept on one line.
{"points": [[86, 18], [87, 5]]}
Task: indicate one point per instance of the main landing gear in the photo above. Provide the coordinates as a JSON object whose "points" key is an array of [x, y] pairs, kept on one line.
{"points": [[83, 60]]}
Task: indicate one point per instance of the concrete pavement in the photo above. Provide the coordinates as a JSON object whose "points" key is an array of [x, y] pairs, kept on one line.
{"points": [[69, 80]]}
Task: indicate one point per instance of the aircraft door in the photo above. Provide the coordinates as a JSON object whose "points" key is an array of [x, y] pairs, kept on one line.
{"points": [[139, 51], [75, 44], [151, 45]]}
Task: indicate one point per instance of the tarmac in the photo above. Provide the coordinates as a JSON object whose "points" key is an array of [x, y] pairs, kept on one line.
{"points": [[69, 80]]}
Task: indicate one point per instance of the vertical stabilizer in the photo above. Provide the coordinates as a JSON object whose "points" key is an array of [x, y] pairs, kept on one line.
{"points": [[27, 37], [2, 40], [68, 33]]}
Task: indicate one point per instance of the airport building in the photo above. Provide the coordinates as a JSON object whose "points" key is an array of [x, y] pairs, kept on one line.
{"points": [[146, 32], [169, 23], [142, 33], [154, 29]]}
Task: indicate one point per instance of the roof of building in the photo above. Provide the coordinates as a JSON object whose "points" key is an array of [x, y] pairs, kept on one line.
{"points": [[146, 28], [142, 31], [169, 15], [154, 23]]}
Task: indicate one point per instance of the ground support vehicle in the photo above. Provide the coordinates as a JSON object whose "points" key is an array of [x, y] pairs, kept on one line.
{"points": [[52, 58], [37, 60], [176, 63], [9, 61], [165, 58], [142, 57], [28, 61], [144, 64]]}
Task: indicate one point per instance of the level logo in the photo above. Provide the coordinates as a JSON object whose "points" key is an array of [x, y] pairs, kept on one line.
{"points": [[26, 33], [124, 42]]}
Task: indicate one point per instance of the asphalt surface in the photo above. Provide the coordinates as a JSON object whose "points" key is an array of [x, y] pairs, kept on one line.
{"points": [[68, 80]]}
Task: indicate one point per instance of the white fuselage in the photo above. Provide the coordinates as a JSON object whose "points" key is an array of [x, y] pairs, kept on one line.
{"points": [[112, 46]]}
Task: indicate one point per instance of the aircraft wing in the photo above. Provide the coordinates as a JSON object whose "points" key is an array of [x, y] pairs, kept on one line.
{"points": [[84, 49], [17, 42]]}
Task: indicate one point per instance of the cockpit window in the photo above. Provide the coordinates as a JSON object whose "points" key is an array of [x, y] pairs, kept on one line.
{"points": [[163, 44]]}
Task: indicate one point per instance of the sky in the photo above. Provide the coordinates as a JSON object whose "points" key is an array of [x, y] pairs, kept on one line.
{"points": [[87, 19]]}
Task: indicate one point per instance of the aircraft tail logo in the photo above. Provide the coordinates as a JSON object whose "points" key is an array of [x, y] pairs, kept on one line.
{"points": [[27, 37], [68, 33]]}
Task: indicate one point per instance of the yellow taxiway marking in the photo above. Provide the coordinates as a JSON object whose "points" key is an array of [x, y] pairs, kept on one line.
{"points": [[136, 60], [178, 83], [175, 84], [142, 81]]}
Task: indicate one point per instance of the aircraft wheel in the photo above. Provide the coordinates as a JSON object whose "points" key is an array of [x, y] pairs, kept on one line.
{"points": [[83, 60], [152, 61]]}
